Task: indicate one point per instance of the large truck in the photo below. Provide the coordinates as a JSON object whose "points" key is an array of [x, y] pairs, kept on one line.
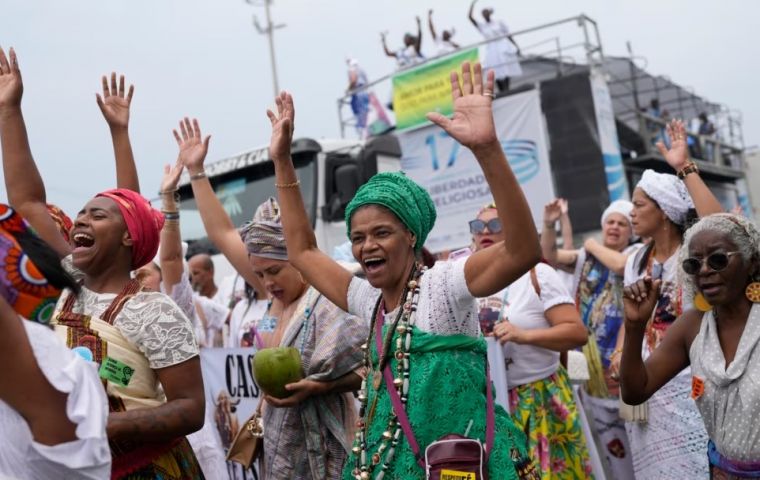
{"points": [[330, 172]]}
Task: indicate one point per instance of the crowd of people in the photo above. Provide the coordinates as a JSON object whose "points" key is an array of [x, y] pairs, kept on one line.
{"points": [[104, 319]]}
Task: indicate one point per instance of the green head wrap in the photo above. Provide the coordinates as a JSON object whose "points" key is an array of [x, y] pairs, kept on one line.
{"points": [[407, 200]]}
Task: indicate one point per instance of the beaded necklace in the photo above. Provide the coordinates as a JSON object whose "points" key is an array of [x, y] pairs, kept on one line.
{"points": [[365, 465]]}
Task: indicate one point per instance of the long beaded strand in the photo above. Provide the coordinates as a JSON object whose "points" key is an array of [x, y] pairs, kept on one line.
{"points": [[362, 467]]}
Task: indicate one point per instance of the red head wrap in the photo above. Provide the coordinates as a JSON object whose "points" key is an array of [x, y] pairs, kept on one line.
{"points": [[144, 223]]}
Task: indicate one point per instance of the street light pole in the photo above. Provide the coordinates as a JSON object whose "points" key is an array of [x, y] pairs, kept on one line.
{"points": [[268, 30]]}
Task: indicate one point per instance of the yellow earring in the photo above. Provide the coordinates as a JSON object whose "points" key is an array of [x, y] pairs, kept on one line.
{"points": [[701, 303]]}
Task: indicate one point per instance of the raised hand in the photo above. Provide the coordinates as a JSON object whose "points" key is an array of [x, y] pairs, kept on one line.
{"points": [[192, 146], [283, 124], [472, 122], [171, 176], [11, 86], [114, 104], [563, 206], [677, 155], [640, 299], [552, 212]]}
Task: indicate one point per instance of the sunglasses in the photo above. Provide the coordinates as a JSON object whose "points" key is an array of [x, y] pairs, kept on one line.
{"points": [[479, 226], [715, 261]]}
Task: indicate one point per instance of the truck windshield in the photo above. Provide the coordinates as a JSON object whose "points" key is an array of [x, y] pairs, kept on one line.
{"points": [[241, 192]]}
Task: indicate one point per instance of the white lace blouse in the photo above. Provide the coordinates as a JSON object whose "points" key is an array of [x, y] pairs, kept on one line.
{"points": [[150, 321], [446, 306]]}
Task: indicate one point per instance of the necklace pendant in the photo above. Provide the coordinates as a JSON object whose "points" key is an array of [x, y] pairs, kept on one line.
{"points": [[377, 379]]}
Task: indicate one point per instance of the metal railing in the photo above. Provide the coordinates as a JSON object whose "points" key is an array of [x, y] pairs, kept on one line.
{"points": [[590, 45]]}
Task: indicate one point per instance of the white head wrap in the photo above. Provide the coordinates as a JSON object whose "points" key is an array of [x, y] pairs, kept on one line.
{"points": [[623, 207], [670, 194]]}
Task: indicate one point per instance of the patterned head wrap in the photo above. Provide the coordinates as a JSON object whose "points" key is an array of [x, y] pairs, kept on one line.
{"points": [[22, 285], [408, 201], [670, 194], [144, 223], [61, 219], [263, 235]]}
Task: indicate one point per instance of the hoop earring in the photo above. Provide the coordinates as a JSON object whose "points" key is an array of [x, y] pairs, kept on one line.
{"points": [[752, 292]]}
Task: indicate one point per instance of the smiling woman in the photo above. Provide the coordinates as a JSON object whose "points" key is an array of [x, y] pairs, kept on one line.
{"points": [[142, 340], [721, 265], [425, 358]]}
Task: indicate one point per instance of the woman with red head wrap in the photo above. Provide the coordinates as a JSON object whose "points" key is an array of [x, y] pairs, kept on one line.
{"points": [[144, 343]]}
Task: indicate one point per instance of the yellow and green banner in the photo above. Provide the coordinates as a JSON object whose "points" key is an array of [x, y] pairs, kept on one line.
{"points": [[426, 88]]}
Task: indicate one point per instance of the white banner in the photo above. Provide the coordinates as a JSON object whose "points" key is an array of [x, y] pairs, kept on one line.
{"points": [[454, 179], [608, 140], [231, 398]]}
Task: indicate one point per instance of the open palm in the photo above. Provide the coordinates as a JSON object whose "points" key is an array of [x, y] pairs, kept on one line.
{"points": [[114, 104], [677, 155], [282, 127], [171, 176], [472, 122], [11, 86], [192, 146]]}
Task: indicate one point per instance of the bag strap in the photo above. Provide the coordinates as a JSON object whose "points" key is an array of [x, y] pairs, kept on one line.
{"points": [[398, 406]]}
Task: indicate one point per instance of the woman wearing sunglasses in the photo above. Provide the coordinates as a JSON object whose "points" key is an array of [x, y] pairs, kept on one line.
{"points": [[720, 268], [666, 436], [534, 319]]}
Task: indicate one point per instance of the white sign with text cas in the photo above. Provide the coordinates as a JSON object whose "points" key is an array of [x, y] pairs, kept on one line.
{"points": [[455, 180], [232, 396]]}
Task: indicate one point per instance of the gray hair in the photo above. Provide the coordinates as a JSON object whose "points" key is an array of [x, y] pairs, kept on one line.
{"points": [[741, 231]]}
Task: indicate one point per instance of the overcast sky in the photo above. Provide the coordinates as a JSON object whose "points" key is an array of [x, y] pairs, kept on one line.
{"points": [[204, 59]]}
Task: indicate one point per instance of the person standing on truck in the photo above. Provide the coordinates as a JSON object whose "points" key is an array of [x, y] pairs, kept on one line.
{"points": [[411, 53], [502, 53]]}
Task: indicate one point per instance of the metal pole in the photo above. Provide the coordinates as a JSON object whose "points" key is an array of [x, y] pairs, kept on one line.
{"points": [[270, 34]]}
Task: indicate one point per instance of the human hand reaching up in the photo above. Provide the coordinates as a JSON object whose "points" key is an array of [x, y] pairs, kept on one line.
{"points": [[114, 104], [11, 86], [283, 124], [677, 155], [472, 122], [640, 300], [192, 146]]}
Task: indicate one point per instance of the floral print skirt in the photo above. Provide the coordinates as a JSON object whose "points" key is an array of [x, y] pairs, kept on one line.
{"points": [[546, 412]]}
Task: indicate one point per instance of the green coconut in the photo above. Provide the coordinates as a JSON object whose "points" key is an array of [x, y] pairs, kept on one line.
{"points": [[273, 368]]}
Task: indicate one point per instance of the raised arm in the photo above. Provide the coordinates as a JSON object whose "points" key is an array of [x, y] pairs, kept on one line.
{"points": [[219, 227], [385, 46], [182, 414], [418, 42], [609, 257], [170, 249], [678, 158], [558, 258], [114, 105], [430, 25], [23, 385], [639, 380], [23, 183], [490, 270], [565, 226], [471, 14], [319, 270]]}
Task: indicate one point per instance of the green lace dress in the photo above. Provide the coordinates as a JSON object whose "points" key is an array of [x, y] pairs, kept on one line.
{"points": [[447, 376]]}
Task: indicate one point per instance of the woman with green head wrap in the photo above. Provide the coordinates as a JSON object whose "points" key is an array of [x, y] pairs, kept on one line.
{"points": [[424, 323]]}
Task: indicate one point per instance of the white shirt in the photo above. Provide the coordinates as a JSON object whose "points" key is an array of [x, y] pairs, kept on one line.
{"points": [[526, 310], [445, 307], [442, 47], [87, 457], [244, 316]]}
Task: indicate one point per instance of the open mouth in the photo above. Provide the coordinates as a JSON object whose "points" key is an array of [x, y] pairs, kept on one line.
{"points": [[278, 294], [82, 241], [373, 264], [486, 242]]}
